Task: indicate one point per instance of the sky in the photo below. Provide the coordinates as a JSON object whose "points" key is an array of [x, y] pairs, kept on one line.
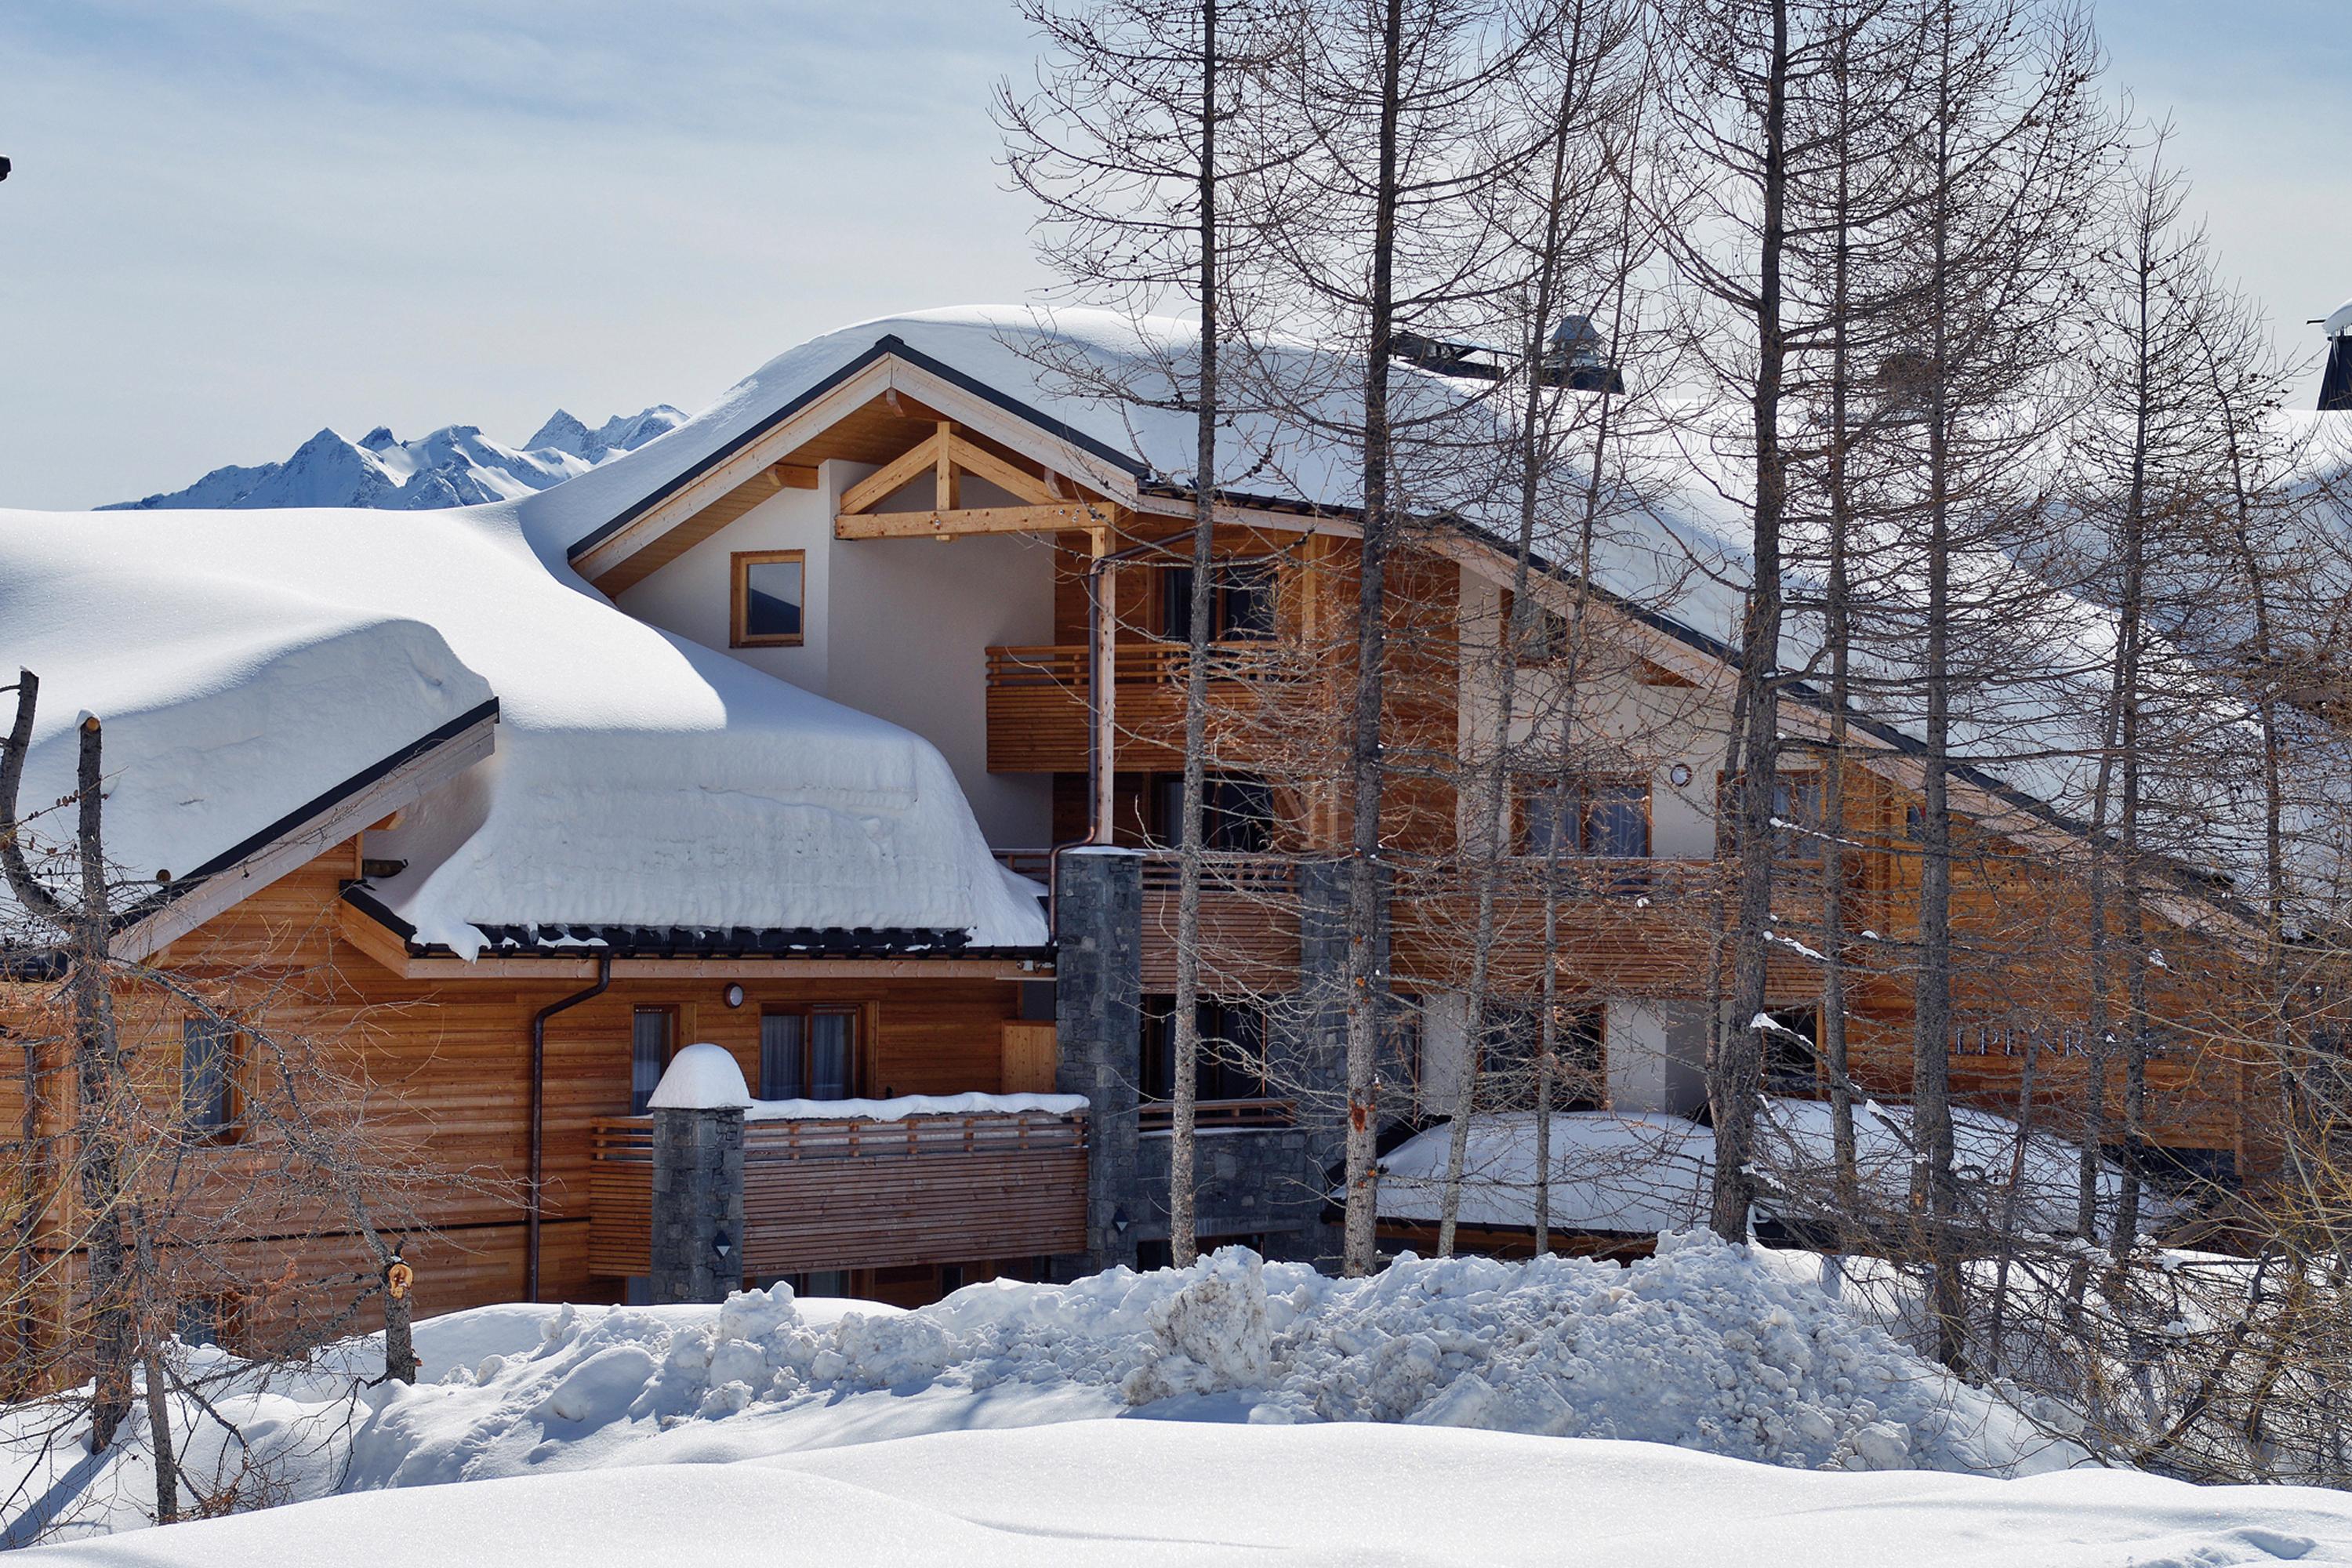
{"points": [[234, 221]]}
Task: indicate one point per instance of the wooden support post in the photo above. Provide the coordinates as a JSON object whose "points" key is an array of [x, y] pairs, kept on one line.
{"points": [[1102, 682], [945, 485]]}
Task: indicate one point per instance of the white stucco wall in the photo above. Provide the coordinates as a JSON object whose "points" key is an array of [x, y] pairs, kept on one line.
{"points": [[1656, 727], [1656, 1056], [897, 628]]}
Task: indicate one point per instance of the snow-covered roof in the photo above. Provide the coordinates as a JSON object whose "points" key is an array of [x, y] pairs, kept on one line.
{"points": [[1639, 1172], [245, 663]]}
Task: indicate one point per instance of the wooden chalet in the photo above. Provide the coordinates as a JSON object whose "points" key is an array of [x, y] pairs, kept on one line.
{"points": [[924, 520]]}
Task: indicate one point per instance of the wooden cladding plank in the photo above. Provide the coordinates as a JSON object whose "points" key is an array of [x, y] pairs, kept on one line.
{"points": [[1031, 1059]]}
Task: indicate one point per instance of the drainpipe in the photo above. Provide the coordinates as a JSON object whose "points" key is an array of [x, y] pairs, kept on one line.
{"points": [[538, 1112]]}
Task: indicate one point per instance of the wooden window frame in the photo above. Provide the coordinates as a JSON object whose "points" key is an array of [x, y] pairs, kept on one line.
{"points": [[1530, 786], [739, 565], [231, 1129], [808, 1013], [669, 1050]]}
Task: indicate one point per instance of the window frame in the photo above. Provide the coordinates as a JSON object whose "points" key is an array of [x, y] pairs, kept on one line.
{"points": [[1582, 796], [738, 577], [668, 1011], [852, 1078], [230, 1126]]}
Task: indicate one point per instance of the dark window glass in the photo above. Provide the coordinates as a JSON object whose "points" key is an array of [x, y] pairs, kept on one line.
{"points": [[207, 1053], [1241, 603], [784, 1040], [648, 1054], [808, 1054], [1236, 813], [1232, 1063], [198, 1322], [1246, 604], [771, 598], [1610, 818], [1789, 1047], [831, 1038], [1513, 1049], [1797, 804]]}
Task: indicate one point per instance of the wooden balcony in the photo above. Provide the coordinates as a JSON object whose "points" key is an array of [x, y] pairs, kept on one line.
{"points": [[1249, 922], [864, 1195], [1039, 713]]}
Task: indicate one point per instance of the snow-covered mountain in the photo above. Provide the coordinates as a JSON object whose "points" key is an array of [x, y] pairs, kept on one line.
{"points": [[454, 466]]}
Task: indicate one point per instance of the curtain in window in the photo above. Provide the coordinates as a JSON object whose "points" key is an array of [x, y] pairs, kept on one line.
{"points": [[831, 1043], [206, 1049], [648, 1054], [782, 1042]]}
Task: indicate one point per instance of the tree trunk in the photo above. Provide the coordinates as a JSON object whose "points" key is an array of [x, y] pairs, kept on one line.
{"points": [[1182, 1241], [1367, 886]]}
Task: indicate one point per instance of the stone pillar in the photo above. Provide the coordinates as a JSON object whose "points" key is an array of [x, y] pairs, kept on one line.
{"points": [[1316, 1047], [1097, 1027], [697, 1208]]}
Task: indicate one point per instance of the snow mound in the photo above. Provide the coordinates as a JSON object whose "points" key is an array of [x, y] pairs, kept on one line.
{"points": [[1704, 1346], [703, 1076], [907, 1105]]}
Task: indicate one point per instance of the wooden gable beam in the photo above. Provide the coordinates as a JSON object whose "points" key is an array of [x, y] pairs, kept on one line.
{"points": [[882, 482], [947, 524]]}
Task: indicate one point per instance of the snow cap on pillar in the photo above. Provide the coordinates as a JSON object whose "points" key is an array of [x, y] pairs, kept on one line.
{"points": [[702, 1076]]}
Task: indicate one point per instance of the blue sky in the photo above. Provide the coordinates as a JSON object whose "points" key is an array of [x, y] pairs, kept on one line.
{"points": [[235, 221]]}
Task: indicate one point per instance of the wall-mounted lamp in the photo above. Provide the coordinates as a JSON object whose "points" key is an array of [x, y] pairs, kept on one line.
{"points": [[1679, 774], [720, 1245], [1119, 1222], [734, 995]]}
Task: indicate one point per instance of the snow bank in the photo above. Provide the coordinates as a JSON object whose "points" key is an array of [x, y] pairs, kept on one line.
{"points": [[1703, 1346], [1154, 1492], [907, 1105], [248, 662], [1637, 1172]]}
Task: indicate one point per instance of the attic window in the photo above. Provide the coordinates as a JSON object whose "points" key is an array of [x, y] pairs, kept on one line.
{"points": [[770, 598]]}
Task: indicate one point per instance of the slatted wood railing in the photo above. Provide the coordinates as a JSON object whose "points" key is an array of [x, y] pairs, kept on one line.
{"points": [[850, 1194], [1210, 1115], [1039, 717]]}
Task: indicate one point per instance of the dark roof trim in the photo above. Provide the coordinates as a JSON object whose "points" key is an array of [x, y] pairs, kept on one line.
{"points": [[889, 345], [584, 940], [254, 844]]}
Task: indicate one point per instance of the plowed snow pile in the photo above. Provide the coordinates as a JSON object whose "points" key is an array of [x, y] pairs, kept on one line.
{"points": [[1704, 1346]]}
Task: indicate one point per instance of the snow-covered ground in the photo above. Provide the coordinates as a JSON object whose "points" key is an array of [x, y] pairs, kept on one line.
{"points": [[1708, 1401]]}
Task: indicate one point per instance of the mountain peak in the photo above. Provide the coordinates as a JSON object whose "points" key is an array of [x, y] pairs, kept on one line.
{"points": [[455, 465]]}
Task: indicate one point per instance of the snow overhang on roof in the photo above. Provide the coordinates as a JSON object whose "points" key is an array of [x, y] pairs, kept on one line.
{"points": [[249, 664]]}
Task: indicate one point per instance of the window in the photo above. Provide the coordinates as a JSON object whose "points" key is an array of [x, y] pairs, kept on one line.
{"points": [[1236, 812], [651, 1032], [808, 1053], [1608, 817], [1797, 802], [200, 1321], [1512, 1046], [1542, 632], [1232, 1064], [208, 1077], [771, 597], [1241, 603], [1791, 1047]]}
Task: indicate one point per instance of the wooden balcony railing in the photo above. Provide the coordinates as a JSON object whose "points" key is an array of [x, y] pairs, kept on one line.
{"points": [[1039, 710], [851, 1194], [1210, 1115], [1249, 921]]}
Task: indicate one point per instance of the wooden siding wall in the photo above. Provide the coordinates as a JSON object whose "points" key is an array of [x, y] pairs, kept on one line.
{"points": [[445, 1065]]}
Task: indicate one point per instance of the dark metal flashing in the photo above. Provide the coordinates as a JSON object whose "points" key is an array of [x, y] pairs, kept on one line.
{"points": [[889, 345], [590, 940]]}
